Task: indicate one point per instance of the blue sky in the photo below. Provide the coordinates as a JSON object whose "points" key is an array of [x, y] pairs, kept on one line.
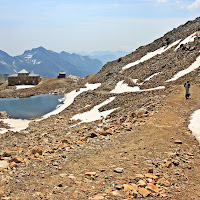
{"points": [[89, 25]]}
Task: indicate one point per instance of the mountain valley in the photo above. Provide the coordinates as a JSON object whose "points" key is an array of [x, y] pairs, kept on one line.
{"points": [[123, 133]]}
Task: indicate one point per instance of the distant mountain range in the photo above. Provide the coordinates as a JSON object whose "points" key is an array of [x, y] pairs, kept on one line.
{"points": [[48, 63], [104, 56]]}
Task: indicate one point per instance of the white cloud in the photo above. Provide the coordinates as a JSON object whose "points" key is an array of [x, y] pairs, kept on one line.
{"points": [[195, 4], [162, 1]]}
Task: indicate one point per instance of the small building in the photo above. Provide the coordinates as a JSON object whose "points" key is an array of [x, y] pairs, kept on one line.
{"points": [[62, 75], [23, 77]]}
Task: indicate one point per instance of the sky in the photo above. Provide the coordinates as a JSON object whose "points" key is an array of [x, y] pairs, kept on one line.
{"points": [[89, 25]]}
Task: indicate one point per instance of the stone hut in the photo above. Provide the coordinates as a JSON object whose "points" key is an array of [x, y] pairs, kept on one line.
{"points": [[23, 77], [62, 75]]}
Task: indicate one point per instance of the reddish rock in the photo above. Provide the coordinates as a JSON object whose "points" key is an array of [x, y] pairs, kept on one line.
{"points": [[16, 160], [152, 187], [130, 187], [109, 131], [12, 164], [148, 175], [163, 182], [84, 139], [150, 170], [159, 174], [144, 192], [37, 155], [1, 192], [37, 150], [118, 170], [142, 183]]}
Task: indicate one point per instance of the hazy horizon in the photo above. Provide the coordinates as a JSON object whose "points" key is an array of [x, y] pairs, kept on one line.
{"points": [[75, 26]]}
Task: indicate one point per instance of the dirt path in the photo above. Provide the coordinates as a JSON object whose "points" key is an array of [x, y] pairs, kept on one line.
{"points": [[150, 145], [160, 142]]}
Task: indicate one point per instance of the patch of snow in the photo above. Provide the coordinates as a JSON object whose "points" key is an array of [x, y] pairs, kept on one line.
{"points": [[150, 77], [191, 68], [187, 40], [123, 87], [94, 113], [29, 56], [69, 99], [18, 87], [151, 55], [135, 81], [61, 99], [15, 124], [35, 62], [87, 106], [194, 125], [14, 64], [3, 62]]}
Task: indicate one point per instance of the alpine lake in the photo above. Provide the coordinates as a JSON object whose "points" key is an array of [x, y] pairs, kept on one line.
{"points": [[30, 107]]}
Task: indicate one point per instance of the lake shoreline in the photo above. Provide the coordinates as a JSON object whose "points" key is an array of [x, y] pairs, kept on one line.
{"points": [[68, 100]]}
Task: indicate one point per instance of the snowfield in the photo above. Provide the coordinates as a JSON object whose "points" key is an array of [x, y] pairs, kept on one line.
{"points": [[187, 40], [94, 113], [15, 124], [18, 87], [69, 99], [151, 55], [150, 77], [29, 56], [194, 125], [123, 87], [191, 68]]}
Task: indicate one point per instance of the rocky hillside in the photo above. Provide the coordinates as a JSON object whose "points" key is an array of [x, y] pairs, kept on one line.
{"points": [[178, 54], [126, 137], [48, 63]]}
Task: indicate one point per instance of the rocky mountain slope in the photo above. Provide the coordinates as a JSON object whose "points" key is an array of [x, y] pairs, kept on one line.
{"points": [[178, 54], [48, 63], [126, 139]]}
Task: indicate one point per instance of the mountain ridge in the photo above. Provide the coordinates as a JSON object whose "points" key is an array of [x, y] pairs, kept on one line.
{"points": [[104, 56], [48, 63]]}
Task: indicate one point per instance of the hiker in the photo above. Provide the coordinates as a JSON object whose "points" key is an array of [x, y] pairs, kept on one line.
{"points": [[187, 87]]}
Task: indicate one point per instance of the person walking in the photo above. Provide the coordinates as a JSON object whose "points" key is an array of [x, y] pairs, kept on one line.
{"points": [[187, 88]]}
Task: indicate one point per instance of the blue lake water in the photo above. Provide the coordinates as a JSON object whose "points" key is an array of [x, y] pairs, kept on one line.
{"points": [[30, 107]]}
